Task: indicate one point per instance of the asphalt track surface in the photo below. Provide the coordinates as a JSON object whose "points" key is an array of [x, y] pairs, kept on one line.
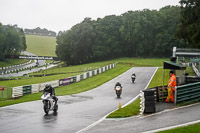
{"points": [[75, 112], [164, 120]]}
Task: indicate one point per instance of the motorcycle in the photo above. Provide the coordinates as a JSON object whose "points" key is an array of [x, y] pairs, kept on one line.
{"points": [[49, 103], [118, 90], [133, 77]]}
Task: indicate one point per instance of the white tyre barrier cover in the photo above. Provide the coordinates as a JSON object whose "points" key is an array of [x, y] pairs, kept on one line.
{"points": [[95, 72], [104, 69], [84, 75], [35, 88], [17, 91], [100, 70], [78, 78], [90, 73]]}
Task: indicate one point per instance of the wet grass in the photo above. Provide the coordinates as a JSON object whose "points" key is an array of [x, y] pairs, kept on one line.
{"points": [[195, 128], [130, 110]]}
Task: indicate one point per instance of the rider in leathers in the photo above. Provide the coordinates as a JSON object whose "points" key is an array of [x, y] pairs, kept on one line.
{"points": [[48, 88]]}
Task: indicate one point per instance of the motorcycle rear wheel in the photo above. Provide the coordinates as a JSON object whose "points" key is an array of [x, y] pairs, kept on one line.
{"points": [[55, 108]]}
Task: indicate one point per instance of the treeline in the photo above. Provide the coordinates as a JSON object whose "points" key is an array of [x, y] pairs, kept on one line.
{"points": [[41, 32], [146, 33], [12, 40]]}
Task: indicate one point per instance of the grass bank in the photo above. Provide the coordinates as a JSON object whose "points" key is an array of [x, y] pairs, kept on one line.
{"points": [[11, 62], [187, 129], [41, 45]]}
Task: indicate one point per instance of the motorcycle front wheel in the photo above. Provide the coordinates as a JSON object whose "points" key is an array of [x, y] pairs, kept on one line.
{"points": [[46, 107]]}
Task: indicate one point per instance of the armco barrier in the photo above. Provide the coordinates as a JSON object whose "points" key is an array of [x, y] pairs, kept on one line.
{"points": [[187, 92]]}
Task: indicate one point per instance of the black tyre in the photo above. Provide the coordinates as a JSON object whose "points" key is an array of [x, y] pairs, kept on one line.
{"points": [[46, 107], [118, 94], [55, 108]]}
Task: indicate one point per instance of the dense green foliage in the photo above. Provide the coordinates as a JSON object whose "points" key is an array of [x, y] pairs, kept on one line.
{"points": [[190, 22], [146, 33], [12, 40]]}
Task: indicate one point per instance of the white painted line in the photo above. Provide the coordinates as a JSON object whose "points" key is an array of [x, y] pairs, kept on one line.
{"points": [[172, 127], [100, 120]]}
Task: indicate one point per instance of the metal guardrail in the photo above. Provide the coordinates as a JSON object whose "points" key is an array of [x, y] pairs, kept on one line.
{"points": [[187, 92]]}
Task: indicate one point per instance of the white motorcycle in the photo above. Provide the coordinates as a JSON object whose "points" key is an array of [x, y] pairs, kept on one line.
{"points": [[49, 103], [118, 90]]}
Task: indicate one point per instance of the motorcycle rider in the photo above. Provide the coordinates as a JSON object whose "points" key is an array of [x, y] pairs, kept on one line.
{"points": [[118, 84], [134, 75], [48, 88]]}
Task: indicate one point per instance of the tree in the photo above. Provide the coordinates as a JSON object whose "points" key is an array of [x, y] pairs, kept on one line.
{"points": [[12, 41], [75, 45], [189, 29]]}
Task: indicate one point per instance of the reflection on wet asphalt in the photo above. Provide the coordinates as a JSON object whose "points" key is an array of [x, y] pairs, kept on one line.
{"points": [[74, 99], [8, 112], [49, 118]]}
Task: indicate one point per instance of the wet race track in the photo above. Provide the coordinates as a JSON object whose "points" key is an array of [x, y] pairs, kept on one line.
{"points": [[75, 112]]}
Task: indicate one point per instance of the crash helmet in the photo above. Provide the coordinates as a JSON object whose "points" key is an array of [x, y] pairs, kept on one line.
{"points": [[47, 86]]}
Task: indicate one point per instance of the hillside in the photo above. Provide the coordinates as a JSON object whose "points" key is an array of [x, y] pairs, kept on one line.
{"points": [[41, 45]]}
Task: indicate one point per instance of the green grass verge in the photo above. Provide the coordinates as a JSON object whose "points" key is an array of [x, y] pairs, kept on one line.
{"points": [[187, 129], [130, 110], [41, 45]]}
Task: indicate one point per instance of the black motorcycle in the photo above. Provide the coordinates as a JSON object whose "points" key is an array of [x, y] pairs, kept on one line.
{"points": [[118, 90], [133, 77]]}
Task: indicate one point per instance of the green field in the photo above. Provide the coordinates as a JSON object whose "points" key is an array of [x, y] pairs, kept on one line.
{"points": [[10, 62], [41, 45]]}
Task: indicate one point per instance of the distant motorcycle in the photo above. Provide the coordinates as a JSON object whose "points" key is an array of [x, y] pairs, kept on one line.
{"points": [[133, 77], [118, 90], [49, 103]]}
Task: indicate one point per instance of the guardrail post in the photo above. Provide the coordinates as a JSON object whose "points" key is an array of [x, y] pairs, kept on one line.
{"points": [[175, 95]]}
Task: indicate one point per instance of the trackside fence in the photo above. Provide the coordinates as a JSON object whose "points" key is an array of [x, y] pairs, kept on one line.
{"points": [[187, 92], [5, 92], [35, 88]]}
